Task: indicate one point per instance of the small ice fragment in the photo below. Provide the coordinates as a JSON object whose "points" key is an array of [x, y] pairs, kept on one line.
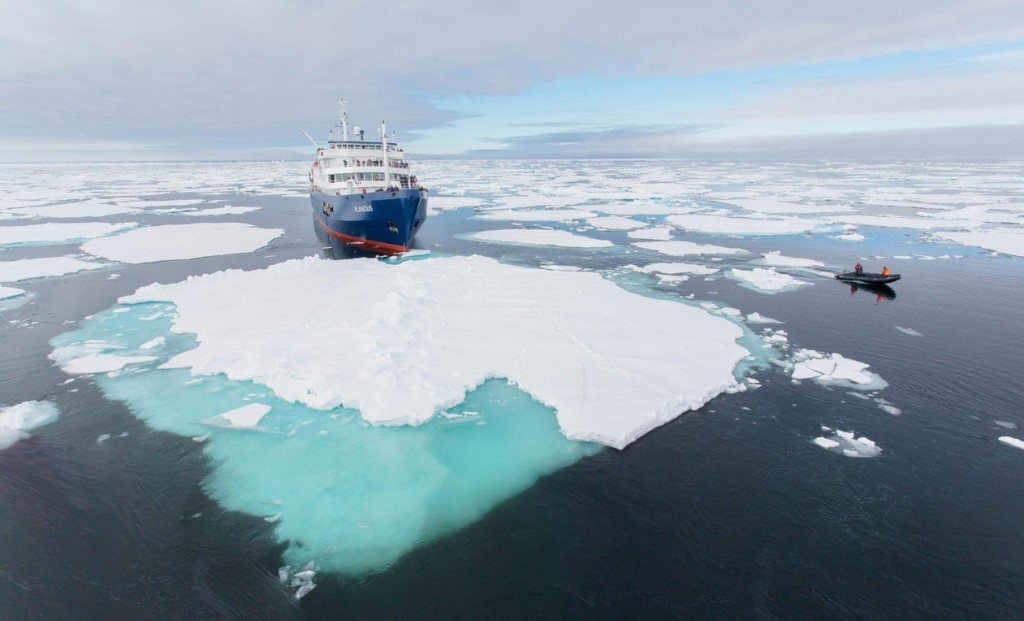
{"points": [[824, 428], [150, 344], [1012, 441], [201, 438], [909, 331], [304, 590], [1006, 424], [846, 435], [866, 441], [282, 573], [245, 417], [826, 443], [306, 574], [272, 518], [851, 453], [103, 437], [123, 434]]}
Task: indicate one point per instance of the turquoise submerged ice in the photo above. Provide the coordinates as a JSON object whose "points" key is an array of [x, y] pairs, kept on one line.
{"points": [[354, 496]]}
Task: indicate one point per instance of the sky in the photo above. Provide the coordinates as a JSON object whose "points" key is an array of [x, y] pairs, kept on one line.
{"points": [[731, 79]]}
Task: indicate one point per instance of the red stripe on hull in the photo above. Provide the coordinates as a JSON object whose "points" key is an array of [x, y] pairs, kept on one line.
{"points": [[362, 241]]}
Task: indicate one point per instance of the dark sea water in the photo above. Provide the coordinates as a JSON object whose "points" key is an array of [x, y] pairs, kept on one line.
{"points": [[729, 512]]}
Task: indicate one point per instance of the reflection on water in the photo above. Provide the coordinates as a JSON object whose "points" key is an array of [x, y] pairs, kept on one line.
{"points": [[881, 292]]}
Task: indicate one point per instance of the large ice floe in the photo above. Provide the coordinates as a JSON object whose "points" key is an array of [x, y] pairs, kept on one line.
{"points": [[364, 407], [541, 237], [181, 241], [18, 420], [57, 233], [27, 269]]}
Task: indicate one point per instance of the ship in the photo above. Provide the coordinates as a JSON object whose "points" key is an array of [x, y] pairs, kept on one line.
{"points": [[362, 192]]}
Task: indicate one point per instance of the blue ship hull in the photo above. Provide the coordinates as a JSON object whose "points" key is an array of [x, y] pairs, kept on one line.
{"points": [[384, 222]]}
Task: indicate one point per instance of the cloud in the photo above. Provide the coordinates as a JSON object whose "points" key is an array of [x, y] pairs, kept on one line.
{"points": [[230, 73], [960, 144]]}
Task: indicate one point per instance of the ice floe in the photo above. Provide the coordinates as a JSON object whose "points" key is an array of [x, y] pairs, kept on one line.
{"points": [[1004, 241], [846, 443], [26, 269], [772, 205], [1010, 440], [398, 358], [540, 237], [17, 421], [680, 248], [227, 210], [181, 241], [759, 318], [78, 209], [776, 259], [741, 225], [57, 232], [909, 331], [834, 369], [678, 268], [444, 203], [653, 233], [766, 280], [97, 362], [615, 223], [536, 215], [849, 237], [9, 292], [245, 417]]}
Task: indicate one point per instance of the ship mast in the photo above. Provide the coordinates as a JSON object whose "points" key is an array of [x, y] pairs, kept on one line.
{"points": [[384, 148], [343, 117]]}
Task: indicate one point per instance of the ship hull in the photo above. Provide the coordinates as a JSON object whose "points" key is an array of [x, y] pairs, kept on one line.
{"points": [[382, 222]]}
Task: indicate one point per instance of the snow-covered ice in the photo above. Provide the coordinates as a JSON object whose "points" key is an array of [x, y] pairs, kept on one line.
{"points": [[848, 444], [686, 248], [245, 417], [909, 331], [756, 317], [9, 292], [536, 215], [653, 233], [1011, 441], [740, 225], [615, 223], [766, 280], [834, 369], [17, 421], [57, 233], [27, 269], [406, 344], [678, 268], [99, 362], [540, 237], [776, 259], [181, 241], [1005, 241]]}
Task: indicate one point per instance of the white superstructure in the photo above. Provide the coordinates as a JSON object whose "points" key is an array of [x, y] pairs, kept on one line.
{"points": [[351, 165]]}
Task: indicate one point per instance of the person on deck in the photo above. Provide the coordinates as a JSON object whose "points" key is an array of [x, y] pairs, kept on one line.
{"points": [[857, 269], [885, 271]]}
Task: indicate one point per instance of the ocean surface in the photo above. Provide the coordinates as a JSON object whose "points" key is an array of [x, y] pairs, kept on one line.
{"points": [[727, 512]]}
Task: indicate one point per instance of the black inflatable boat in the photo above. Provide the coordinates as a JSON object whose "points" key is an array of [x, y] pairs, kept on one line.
{"points": [[868, 278]]}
